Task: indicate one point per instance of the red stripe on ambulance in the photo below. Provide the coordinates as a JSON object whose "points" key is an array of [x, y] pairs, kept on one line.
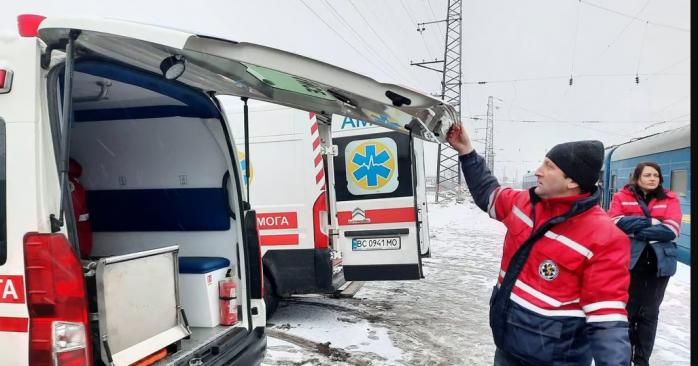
{"points": [[319, 176], [286, 239], [277, 220], [12, 289], [380, 216], [315, 135], [8, 324]]}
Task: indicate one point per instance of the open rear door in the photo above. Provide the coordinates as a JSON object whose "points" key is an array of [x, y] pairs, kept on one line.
{"points": [[383, 235], [377, 213], [218, 66]]}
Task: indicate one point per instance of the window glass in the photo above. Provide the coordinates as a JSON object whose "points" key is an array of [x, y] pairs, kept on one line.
{"points": [[679, 182]]}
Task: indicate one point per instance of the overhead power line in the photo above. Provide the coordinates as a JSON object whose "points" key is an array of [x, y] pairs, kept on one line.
{"points": [[360, 37], [385, 44], [574, 46], [414, 21], [541, 78], [583, 121], [589, 3], [673, 64], [632, 20], [368, 59], [402, 2], [433, 14]]}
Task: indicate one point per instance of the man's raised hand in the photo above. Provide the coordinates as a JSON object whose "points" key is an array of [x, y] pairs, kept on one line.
{"points": [[458, 139]]}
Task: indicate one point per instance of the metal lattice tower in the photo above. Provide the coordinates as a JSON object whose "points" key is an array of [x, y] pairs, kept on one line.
{"points": [[489, 140], [448, 176]]}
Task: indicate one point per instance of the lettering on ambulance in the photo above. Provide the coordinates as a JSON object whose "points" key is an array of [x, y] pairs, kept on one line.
{"points": [[349, 122], [277, 220], [12, 289], [269, 223]]}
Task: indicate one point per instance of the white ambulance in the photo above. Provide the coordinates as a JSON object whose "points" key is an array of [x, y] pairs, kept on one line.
{"points": [[137, 107], [337, 199]]}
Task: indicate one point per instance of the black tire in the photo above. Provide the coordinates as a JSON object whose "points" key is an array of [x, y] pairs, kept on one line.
{"points": [[271, 300]]}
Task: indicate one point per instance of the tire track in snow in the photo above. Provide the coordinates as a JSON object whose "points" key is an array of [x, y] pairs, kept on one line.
{"points": [[336, 355]]}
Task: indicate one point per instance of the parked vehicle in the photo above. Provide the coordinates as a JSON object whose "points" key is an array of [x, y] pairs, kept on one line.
{"points": [[304, 190], [136, 107]]}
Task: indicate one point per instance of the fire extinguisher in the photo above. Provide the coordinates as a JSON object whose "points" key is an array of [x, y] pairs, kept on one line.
{"points": [[228, 302]]}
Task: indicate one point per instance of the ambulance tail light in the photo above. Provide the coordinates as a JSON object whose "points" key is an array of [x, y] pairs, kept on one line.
{"points": [[320, 221], [28, 24], [59, 329], [5, 81]]}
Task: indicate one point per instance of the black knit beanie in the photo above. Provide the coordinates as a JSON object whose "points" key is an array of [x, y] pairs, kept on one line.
{"points": [[579, 160]]}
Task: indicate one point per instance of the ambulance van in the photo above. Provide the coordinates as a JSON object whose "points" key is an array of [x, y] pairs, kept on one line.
{"points": [[123, 202], [337, 199]]}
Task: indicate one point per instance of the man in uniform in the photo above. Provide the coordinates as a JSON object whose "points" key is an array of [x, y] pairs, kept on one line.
{"points": [[563, 282]]}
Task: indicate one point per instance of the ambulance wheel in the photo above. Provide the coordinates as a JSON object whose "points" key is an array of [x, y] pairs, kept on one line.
{"points": [[270, 299]]}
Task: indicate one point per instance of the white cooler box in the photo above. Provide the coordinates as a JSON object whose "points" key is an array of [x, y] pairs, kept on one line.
{"points": [[198, 288]]}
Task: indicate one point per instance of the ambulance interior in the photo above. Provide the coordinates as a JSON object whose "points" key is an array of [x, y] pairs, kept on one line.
{"points": [[157, 172]]}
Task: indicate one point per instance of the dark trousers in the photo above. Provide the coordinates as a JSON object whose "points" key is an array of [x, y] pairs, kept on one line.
{"points": [[646, 294], [504, 358]]}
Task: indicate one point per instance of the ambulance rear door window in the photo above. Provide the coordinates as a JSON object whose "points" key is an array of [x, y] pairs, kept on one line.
{"points": [[3, 201], [373, 166]]}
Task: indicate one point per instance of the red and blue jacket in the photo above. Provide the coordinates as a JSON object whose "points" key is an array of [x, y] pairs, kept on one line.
{"points": [[628, 211], [568, 302]]}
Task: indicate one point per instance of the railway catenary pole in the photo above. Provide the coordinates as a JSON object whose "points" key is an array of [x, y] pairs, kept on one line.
{"points": [[448, 175], [489, 140]]}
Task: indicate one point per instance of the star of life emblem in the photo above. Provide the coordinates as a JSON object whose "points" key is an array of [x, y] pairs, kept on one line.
{"points": [[371, 166], [548, 270]]}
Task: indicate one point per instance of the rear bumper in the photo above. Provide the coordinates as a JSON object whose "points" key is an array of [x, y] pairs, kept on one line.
{"points": [[299, 271]]}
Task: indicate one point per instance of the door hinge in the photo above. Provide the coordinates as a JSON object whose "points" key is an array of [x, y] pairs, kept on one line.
{"points": [[330, 150]]}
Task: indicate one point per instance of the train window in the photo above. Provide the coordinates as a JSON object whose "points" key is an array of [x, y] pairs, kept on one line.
{"points": [[679, 182]]}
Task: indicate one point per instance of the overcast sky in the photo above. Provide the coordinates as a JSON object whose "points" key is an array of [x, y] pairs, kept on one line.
{"points": [[526, 51]]}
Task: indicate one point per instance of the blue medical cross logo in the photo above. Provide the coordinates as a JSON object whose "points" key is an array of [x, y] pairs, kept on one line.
{"points": [[371, 165]]}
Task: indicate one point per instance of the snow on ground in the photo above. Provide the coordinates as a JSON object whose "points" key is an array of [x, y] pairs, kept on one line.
{"points": [[441, 319]]}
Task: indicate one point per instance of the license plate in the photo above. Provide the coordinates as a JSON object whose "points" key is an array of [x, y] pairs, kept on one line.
{"points": [[390, 243]]}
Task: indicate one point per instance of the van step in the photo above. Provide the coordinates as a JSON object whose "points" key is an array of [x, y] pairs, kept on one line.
{"points": [[349, 289]]}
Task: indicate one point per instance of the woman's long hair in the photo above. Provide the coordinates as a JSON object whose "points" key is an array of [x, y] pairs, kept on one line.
{"points": [[659, 191]]}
